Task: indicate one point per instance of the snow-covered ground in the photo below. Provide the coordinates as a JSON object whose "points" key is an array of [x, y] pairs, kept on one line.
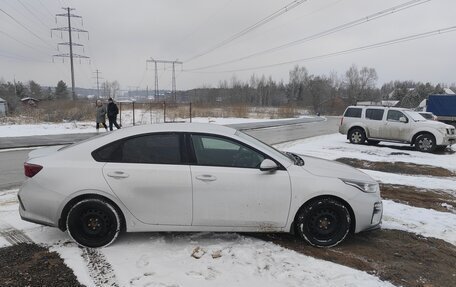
{"points": [[164, 259], [141, 117]]}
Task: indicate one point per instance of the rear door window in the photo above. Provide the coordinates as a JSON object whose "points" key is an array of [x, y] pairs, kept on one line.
{"points": [[161, 148], [353, 113], [374, 114]]}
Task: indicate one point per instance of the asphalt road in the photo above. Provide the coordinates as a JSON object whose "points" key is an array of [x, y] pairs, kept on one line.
{"points": [[11, 162]]}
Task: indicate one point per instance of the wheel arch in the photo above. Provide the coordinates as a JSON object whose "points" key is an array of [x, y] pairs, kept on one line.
{"points": [[344, 202], [357, 127], [422, 132], [73, 201]]}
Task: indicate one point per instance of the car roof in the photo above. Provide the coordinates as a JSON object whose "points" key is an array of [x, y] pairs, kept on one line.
{"points": [[177, 127], [380, 107]]}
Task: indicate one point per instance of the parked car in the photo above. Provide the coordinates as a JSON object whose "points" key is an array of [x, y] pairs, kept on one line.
{"points": [[373, 124], [193, 177], [428, 116]]}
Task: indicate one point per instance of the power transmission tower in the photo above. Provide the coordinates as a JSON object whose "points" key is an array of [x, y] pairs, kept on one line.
{"points": [[98, 82], [70, 43], [173, 63]]}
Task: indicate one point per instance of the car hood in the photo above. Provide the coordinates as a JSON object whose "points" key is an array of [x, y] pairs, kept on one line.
{"points": [[40, 152], [436, 124], [329, 168]]}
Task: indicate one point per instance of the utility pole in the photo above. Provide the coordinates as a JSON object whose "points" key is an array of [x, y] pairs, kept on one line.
{"points": [[70, 43], [173, 63], [98, 82]]}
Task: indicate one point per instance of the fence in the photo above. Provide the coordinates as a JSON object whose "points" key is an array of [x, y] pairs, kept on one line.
{"points": [[139, 113]]}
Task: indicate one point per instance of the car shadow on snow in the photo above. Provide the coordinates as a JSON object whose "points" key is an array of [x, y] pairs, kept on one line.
{"points": [[405, 148]]}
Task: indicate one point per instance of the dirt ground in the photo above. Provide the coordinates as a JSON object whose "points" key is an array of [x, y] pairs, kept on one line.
{"points": [[418, 197], [32, 265], [398, 167], [402, 258]]}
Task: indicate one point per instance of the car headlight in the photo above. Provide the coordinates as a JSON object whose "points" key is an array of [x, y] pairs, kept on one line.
{"points": [[368, 187]]}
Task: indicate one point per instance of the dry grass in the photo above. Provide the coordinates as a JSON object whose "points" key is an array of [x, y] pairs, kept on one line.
{"points": [[53, 111], [66, 110]]}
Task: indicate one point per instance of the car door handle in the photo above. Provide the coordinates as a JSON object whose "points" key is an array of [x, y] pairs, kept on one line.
{"points": [[118, 174], [206, 177]]}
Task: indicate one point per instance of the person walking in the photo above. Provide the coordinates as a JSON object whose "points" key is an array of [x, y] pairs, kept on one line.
{"points": [[113, 110], [100, 115]]}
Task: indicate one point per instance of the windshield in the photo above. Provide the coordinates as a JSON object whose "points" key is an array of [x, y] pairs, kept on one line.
{"points": [[268, 148], [415, 116]]}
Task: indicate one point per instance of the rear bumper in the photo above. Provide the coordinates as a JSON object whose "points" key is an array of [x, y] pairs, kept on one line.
{"points": [[37, 204]]}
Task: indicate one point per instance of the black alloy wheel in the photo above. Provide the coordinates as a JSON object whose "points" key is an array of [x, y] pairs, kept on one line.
{"points": [[93, 223], [323, 223]]}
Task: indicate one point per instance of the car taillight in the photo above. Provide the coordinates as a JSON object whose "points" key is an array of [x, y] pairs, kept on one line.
{"points": [[30, 169], [341, 120]]}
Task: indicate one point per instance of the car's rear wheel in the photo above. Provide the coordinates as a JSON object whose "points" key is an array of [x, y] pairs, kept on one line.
{"points": [[323, 223], [93, 223], [357, 136], [425, 143]]}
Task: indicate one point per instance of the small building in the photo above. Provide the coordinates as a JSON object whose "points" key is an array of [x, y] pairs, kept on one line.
{"points": [[3, 107], [29, 101]]}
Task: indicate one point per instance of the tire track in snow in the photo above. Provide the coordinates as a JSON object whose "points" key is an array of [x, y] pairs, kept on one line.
{"points": [[12, 235], [100, 269]]}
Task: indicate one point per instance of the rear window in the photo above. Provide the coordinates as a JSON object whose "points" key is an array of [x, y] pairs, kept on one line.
{"points": [[353, 113], [374, 114]]}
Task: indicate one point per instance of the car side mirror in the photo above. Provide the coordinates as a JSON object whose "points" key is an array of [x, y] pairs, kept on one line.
{"points": [[268, 165], [403, 119]]}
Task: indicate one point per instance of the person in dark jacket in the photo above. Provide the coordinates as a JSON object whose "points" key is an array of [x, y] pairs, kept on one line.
{"points": [[113, 110], [100, 115]]}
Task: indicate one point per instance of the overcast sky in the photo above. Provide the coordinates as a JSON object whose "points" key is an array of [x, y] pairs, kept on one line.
{"points": [[124, 34]]}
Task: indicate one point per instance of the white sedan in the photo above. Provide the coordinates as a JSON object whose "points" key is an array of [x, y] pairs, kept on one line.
{"points": [[193, 177]]}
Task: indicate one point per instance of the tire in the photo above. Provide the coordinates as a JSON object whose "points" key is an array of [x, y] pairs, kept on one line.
{"points": [[425, 143], [93, 223], [372, 142], [323, 223], [357, 136]]}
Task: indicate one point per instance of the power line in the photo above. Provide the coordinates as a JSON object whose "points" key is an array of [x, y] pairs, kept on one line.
{"points": [[24, 43], [34, 15], [263, 21], [348, 51], [25, 27], [351, 24]]}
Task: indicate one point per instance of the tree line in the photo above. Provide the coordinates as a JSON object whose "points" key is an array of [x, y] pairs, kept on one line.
{"points": [[12, 93], [329, 94]]}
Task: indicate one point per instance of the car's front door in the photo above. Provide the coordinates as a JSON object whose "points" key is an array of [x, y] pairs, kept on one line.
{"points": [[151, 177], [230, 190], [395, 129]]}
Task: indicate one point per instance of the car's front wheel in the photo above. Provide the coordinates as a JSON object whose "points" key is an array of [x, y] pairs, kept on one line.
{"points": [[425, 143], [357, 136], [93, 223], [323, 222]]}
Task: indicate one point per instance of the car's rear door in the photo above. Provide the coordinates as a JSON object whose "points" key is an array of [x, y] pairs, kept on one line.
{"points": [[149, 174], [229, 190]]}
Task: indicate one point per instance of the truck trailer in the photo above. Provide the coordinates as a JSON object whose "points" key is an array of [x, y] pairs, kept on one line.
{"points": [[443, 106]]}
